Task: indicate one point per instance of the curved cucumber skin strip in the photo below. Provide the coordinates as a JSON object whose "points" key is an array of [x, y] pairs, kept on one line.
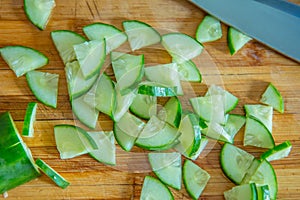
{"points": [[154, 189], [280, 151], [23, 59], [236, 40], [29, 119], [18, 166], [52, 174], [171, 112], [154, 89]]}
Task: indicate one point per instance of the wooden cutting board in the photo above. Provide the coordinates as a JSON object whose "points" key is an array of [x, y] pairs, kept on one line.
{"points": [[245, 74]]}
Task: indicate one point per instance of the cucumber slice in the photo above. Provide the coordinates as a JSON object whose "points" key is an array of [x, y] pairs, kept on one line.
{"points": [[29, 120], [209, 30], [128, 69], [157, 90], [251, 170], [105, 95], [23, 59], [123, 103], [39, 12], [167, 167], [233, 124], [188, 71], [44, 86], [272, 97], [106, 152], [263, 192], [236, 40], [235, 162], [256, 134], [181, 47], [245, 192], [77, 84], [171, 112], [84, 112], [217, 131], [140, 34], [165, 74], [195, 179], [91, 57], [157, 134], [64, 40], [72, 141], [230, 101], [265, 175], [113, 36], [144, 106], [52, 174], [190, 138], [204, 141], [280, 151], [209, 108], [154, 189], [262, 113], [127, 129]]}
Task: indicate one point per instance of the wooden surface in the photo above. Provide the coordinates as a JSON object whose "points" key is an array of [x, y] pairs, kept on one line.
{"points": [[245, 74]]}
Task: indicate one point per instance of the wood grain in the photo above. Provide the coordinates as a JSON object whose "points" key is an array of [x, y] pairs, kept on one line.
{"points": [[245, 74]]}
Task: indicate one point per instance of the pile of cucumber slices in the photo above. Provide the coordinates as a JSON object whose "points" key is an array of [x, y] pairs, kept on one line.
{"points": [[173, 134]]}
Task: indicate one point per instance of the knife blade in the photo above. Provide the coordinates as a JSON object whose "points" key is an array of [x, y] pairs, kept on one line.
{"points": [[275, 23]]}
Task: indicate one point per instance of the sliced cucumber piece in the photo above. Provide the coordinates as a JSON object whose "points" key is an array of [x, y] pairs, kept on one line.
{"points": [[155, 89], [209, 108], [188, 71], [209, 30], [195, 179], [84, 112], [144, 106], [140, 34], [217, 131], [190, 138], [263, 192], [23, 59], [272, 97], [265, 175], [52, 174], [236, 40], [105, 95], [234, 123], [91, 57], [230, 101], [77, 84], [203, 143], [171, 112], [181, 47], [106, 152], [262, 113], [154, 189], [39, 12], [113, 36], [245, 192], [235, 162], [28, 129], [256, 134], [251, 170], [167, 167], [280, 151], [44, 86], [128, 69], [123, 103], [157, 134], [72, 141], [165, 74], [127, 129], [64, 40]]}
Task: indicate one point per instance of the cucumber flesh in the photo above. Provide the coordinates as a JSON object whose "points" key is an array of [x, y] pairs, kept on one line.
{"points": [[167, 167], [234, 123], [140, 34], [236, 40], [28, 126], [203, 143], [113, 36], [188, 71], [209, 30], [144, 106], [171, 112], [280, 151], [272, 97], [23, 59], [44, 86], [39, 12], [217, 131], [245, 192], [155, 89], [154, 189]]}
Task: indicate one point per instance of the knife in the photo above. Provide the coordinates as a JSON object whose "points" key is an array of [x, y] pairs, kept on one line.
{"points": [[275, 23]]}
